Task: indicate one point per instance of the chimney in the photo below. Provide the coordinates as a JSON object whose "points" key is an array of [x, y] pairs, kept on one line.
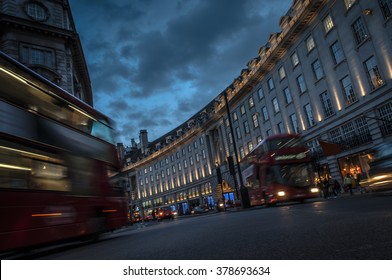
{"points": [[143, 141], [133, 143]]}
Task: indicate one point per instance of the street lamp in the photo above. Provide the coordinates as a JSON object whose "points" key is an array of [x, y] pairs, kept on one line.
{"points": [[243, 190]]}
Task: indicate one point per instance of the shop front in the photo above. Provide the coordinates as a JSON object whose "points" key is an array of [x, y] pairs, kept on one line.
{"points": [[357, 165]]}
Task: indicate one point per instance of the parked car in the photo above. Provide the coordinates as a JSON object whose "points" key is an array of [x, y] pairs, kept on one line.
{"points": [[165, 213]]}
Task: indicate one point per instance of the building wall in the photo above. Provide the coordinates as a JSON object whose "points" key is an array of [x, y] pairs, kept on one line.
{"points": [[41, 35], [355, 120]]}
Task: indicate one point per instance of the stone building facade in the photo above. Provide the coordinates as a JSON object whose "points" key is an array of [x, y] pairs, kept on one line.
{"points": [[41, 34], [326, 75]]}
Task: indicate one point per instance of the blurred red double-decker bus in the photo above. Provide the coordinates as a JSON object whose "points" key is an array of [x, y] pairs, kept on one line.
{"points": [[56, 155], [279, 169]]}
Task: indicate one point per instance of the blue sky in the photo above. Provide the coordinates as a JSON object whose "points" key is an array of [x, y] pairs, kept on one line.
{"points": [[155, 63]]}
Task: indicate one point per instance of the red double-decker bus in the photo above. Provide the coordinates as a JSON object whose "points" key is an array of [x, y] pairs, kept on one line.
{"points": [[56, 155], [279, 169]]}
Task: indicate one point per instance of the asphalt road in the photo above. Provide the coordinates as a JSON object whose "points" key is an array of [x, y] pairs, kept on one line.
{"points": [[357, 227]]}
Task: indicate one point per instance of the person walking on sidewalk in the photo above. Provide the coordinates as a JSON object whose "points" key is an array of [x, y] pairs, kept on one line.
{"points": [[348, 183]]}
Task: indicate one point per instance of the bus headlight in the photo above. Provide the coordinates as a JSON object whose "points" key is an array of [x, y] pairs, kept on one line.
{"points": [[314, 190], [281, 193]]}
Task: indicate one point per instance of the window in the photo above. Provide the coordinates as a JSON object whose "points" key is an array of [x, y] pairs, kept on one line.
{"points": [[326, 104], [385, 114], [349, 3], [294, 123], [271, 85], [335, 135], [373, 73], [362, 128], [287, 95], [349, 95], [250, 146], [38, 56], [337, 52], [255, 121], [242, 109], [251, 102], [36, 11], [309, 115], [310, 45], [301, 84], [269, 132], [282, 73], [275, 104], [386, 8], [294, 59], [260, 93], [235, 117], [242, 152], [246, 127], [328, 23], [265, 113], [280, 127], [317, 70], [238, 132], [359, 31]]}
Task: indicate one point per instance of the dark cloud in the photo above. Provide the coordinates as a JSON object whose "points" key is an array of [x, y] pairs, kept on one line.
{"points": [[155, 63]]}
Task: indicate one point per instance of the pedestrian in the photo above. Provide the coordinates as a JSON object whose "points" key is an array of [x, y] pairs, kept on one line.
{"points": [[358, 181], [336, 187], [348, 183], [325, 187]]}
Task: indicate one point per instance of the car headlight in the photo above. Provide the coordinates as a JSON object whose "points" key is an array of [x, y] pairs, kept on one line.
{"points": [[314, 190]]}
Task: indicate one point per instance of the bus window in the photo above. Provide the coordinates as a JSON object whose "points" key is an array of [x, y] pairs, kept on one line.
{"points": [[81, 174], [31, 169]]}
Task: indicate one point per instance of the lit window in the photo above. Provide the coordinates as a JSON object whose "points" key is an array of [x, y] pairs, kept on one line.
{"points": [[251, 102], [328, 23], [373, 73], [349, 3]]}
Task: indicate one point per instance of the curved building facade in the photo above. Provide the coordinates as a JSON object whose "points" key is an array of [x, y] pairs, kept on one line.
{"points": [[326, 75]]}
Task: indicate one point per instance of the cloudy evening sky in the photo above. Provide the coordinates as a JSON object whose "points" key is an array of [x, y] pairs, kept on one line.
{"points": [[155, 63]]}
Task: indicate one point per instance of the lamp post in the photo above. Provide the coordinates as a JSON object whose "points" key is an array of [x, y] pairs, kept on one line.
{"points": [[243, 190]]}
